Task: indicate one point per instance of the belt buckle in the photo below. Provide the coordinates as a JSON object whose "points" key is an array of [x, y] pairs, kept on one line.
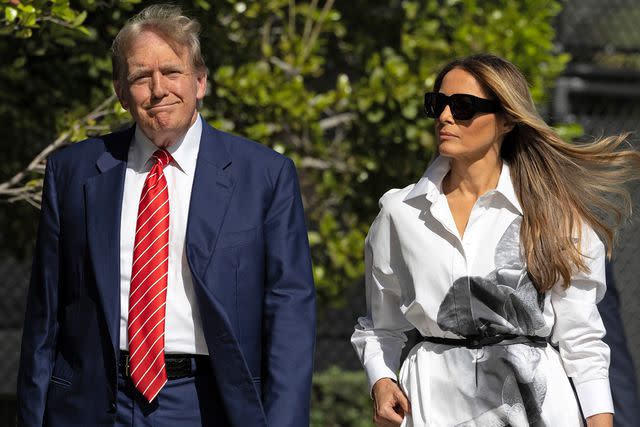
{"points": [[474, 343]]}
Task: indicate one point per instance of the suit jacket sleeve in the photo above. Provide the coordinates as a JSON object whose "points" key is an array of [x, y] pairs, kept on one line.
{"points": [[289, 307], [39, 333]]}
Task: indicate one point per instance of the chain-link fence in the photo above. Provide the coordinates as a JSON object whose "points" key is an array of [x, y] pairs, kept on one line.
{"points": [[13, 292], [598, 31], [12, 304]]}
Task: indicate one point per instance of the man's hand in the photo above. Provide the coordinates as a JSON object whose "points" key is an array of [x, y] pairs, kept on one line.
{"points": [[389, 403], [600, 420]]}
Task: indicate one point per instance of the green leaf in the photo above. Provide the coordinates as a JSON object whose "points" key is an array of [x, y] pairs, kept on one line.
{"points": [[29, 20], [203, 4], [10, 13], [79, 19], [84, 30], [27, 8]]}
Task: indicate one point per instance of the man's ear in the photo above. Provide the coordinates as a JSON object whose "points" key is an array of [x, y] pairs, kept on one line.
{"points": [[201, 84], [117, 87]]}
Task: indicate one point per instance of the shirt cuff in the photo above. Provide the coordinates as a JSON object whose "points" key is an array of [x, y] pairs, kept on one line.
{"points": [[376, 370], [594, 397]]}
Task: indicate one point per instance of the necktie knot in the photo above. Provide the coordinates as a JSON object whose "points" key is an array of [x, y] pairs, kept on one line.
{"points": [[161, 157]]}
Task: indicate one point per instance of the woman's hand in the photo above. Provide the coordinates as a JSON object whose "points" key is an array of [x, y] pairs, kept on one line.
{"points": [[389, 403], [600, 420]]}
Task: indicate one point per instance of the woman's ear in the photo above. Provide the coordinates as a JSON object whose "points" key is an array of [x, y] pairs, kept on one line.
{"points": [[505, 124], [508, 126]]}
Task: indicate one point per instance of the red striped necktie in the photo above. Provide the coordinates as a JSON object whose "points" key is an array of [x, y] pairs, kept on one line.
{"points": [[148, 291]]}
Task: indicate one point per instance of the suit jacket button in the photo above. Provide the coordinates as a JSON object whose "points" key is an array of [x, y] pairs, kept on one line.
{"points": [[112, 408]]}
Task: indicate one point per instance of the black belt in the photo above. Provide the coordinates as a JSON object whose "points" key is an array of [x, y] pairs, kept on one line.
{"points": [[177, 365], [482, 341]]}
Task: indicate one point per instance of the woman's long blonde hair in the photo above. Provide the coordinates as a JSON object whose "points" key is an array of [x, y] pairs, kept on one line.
{"points": [[558, 184]]}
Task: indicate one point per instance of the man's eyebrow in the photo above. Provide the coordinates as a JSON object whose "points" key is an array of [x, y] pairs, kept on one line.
{"points": [[136, 72], [172, 67]]}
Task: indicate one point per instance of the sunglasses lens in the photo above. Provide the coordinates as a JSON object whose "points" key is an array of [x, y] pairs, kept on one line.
{"points": [[431, 105], [462, 107]]}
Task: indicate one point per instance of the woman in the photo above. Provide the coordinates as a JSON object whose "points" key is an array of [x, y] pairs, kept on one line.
{"points": [[491, 254]]}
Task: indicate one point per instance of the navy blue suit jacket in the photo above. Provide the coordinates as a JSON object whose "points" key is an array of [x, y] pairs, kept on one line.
{"points": [[622, 375], [247, 249]]}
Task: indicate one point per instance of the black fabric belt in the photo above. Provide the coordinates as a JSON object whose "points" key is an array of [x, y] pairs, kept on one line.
{"points": [[177, 365], [482, 341]]}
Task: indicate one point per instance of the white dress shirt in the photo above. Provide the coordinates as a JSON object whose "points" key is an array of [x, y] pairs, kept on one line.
{"points": [[183, 327], [421, 274]]}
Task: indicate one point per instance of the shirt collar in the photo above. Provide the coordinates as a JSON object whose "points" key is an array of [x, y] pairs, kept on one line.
{"points": [[431, 182], [184, 151], [505, 187], [430, 185]]}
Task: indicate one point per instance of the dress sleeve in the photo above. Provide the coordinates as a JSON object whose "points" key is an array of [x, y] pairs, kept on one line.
{"points": [[578, 329], [380, 335]]}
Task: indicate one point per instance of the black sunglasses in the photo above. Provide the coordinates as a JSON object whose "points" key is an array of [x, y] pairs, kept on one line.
{"points": [[463, 106]]}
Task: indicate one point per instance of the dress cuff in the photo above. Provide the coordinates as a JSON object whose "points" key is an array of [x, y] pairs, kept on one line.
{"points": [[377, 369], [594, 397]]}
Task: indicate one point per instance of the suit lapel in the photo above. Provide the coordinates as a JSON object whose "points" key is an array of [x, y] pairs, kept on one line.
{"points": [[103, 196], [210, 196]]}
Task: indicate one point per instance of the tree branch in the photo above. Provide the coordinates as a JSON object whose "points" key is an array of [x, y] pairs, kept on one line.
{"points": [[337, 120], [15, 189], [315, 163]]}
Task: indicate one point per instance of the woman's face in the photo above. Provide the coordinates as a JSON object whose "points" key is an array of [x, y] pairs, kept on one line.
{"points": [[468, 140]]}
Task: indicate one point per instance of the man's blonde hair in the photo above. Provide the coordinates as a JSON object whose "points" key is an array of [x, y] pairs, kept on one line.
{"points": [[167, 21]]}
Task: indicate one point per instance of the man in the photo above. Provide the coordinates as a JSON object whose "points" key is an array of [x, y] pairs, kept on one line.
{"points": [[172, 281], [624, 389]]}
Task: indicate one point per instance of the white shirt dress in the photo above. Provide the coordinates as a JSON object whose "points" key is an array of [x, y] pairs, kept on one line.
{"points": [[421, 274]]}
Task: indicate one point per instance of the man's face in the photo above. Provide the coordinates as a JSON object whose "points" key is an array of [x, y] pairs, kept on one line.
{"points": [[160, 88]]}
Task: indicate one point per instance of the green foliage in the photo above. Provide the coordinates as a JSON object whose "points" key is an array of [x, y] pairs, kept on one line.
{"points": [[337, 86], [49, 82], [20, 18], [340, 399], [340, 92], [569, 131]]}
